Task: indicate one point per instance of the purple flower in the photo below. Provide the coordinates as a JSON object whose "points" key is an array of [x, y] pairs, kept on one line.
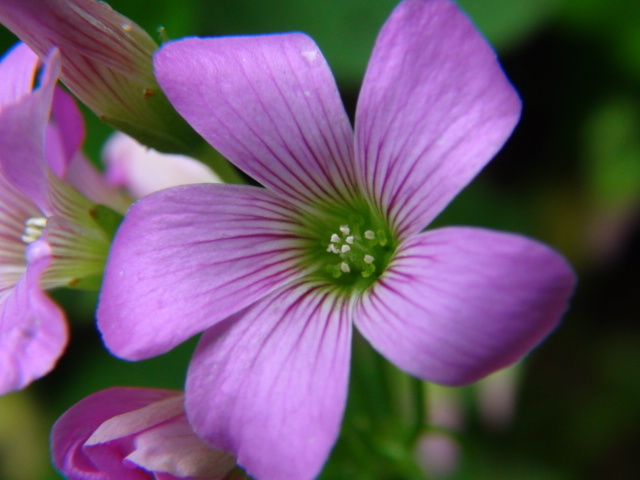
{"points": [[47, 235], [135, 434], [277, 276]]}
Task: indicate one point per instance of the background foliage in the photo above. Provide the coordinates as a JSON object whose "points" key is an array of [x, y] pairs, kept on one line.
{"points": [[569, 176]]}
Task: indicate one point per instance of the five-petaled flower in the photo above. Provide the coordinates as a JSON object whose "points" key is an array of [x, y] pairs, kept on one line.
{"points": [[276, 276]]}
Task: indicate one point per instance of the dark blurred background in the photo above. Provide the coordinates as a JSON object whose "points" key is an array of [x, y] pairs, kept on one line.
{"points": [[569, 176]]}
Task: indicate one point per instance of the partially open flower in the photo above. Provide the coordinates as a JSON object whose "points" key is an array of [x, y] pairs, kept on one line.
{"points": [[106, 63], [49, 236], [135, 434]]}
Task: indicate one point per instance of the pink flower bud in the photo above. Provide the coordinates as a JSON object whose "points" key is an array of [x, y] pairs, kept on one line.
{"points": [[135, 434], [106, 63]]}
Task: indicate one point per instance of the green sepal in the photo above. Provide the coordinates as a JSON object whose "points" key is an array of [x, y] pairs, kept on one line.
{"points": [[107, 219], [90, 283]]}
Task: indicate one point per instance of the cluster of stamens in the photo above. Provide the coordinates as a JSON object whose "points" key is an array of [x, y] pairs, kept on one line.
{"points": [[33, 228], [354, 251]]}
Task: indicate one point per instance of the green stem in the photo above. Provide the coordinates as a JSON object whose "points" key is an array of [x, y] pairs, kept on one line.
{"points": [[420, 407]]}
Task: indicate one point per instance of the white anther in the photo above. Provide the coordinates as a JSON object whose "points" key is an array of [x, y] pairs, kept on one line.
{"points": [[349, 239], [368, 259], [345, 229], [32, 232], [332, 248], [36, 222], [33, 228], [369, 235], [335, 238], [344, 267], [345, 248]]}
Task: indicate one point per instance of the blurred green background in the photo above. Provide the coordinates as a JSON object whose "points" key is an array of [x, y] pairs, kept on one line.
{"points": [[569, 176]]}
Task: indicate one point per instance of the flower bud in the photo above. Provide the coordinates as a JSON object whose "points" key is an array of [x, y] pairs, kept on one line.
{"points": [[141, 171], [135, 433], [106, 63]]}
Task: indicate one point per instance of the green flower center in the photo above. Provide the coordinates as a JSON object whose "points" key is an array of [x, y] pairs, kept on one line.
{"points": [[348, 246]]}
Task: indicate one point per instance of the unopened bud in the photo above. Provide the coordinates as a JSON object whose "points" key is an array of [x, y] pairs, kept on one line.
{"points": [[106, 63]]}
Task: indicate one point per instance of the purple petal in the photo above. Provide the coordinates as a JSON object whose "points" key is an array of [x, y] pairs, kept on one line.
{"points": [[434, 108], [15, 209], [269, 104], [22, 135], [33, 330], [17, 71], [138, 419], [75, 427], [269, 385], [173, 447], [458, 303], [187, 257], [65, 132], [91, 183]]}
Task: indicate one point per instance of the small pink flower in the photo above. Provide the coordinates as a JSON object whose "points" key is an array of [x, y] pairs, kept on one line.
{"points": [[135, 434]]}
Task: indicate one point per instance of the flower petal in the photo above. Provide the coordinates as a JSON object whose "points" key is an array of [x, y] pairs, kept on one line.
{"points": [[277, 375], [17, 71], [187, 257], [65, 132], [74, 428], [22, 135], [33, 330], [142, 170], [15, 210], [458, 303], [138, 419], [268, 103], [173, 448], [434, 108], [84, 177]]}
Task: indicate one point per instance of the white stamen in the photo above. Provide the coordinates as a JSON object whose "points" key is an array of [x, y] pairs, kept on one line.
{"points": [[32, 232], [335, 238], [368, 259], [369, 235], [36, 222], [332, 248], [33, 228], [349, 240], [344, 267], [345, 229], [345, 248]]}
